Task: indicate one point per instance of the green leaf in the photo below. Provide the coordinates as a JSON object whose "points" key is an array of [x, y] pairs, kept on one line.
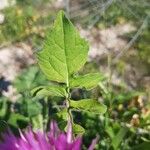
{"points": [[88, 81], [49, 91], [15, 118], [110, 131], [37, 122], [29, 78], [3, 108], [124, 97], [33, 108], [89, 105], [63, 114], [64, 51], [77, 129], [143, 146], [116, 141]]}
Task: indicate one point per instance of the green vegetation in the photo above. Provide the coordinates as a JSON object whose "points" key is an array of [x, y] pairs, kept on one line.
{"points": [[119, 116]]}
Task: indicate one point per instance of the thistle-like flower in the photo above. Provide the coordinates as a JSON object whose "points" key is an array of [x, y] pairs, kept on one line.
{"points": [[53, 140]]}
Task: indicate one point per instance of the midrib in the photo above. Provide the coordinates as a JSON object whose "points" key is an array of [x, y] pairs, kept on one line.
{"points": [[67, 80]]}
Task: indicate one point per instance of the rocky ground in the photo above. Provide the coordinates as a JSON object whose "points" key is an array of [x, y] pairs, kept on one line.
{"points": [[13, 59], [110, 42]]}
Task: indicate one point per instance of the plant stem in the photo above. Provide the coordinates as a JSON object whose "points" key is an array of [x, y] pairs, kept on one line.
{"points": [[45, 112], [70, 118]]}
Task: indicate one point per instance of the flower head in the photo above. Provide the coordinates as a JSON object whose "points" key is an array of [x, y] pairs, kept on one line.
{"points": [[53, 140], [30, 140]]}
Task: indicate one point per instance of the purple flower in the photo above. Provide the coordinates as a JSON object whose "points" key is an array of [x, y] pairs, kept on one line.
{"points": [[53, 140]]}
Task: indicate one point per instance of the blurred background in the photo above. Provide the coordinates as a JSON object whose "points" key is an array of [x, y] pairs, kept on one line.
{"points": [[119, 35]]}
